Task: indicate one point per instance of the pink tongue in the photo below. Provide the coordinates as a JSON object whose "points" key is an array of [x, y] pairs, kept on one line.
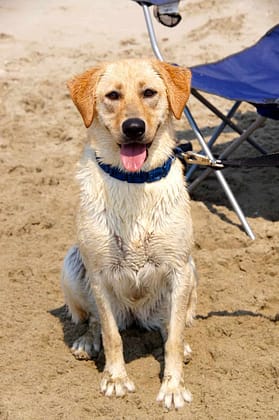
{"points": [[133, 156]]}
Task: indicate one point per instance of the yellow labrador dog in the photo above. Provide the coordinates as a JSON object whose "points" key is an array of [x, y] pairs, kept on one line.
{"points": [[133, 260]]}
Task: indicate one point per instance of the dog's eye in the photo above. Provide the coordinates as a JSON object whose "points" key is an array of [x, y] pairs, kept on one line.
{"points": [[149, 93], [113, 95]]}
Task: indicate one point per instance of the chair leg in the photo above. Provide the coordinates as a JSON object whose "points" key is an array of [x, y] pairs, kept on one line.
{"points": [[230, 149], [235, 205], [236, 143], [151, 32], [227, 119], [215, 136], [219, 176]]}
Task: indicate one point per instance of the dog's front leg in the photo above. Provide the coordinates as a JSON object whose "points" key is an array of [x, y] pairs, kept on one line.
{"points": [[172, 391], [115, 380]]}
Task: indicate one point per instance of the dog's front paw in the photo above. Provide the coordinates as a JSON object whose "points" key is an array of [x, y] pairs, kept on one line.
{"points": [[173, 394], [116, 385]]}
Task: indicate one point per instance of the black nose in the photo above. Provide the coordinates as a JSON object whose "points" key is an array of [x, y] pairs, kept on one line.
{"points": [[133, 128]]}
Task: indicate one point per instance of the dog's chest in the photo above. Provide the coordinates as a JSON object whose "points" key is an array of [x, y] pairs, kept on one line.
{"points": [[140, 272], [139, 231], [137, 250]]}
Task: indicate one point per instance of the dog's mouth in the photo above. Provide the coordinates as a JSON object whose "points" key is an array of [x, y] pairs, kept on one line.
{"points": [[133, 155]]}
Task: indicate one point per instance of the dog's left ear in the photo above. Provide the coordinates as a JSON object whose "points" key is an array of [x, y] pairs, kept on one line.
{"points": [[82, 90], [178, 84]]}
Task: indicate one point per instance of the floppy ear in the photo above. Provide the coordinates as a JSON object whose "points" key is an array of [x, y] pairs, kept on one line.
{"points": [[178, 84], [82, 90]]}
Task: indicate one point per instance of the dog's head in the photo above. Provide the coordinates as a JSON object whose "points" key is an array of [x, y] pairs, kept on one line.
{"points": [[128, 104]]}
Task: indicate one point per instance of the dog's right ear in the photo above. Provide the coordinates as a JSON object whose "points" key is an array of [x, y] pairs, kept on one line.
{"points": [[82, 90]]}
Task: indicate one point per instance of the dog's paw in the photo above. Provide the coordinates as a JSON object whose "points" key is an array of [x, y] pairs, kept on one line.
{"points": [[118, 386], [85, 347], [173, 395], [187, 353]]}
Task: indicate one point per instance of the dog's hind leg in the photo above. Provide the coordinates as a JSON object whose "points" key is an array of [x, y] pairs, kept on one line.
{"points": [[88, 345], [81, 304], [187, 351]]}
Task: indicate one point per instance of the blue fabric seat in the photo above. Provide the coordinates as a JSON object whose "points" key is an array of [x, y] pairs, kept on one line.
{"points": [[251, 75]]}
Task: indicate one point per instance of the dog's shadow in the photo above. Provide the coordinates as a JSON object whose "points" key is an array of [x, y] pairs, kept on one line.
{"points": [[137, 342]]}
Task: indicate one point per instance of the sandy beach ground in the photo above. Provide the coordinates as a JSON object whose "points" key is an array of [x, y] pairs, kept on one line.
{"points": [[234, 372]]}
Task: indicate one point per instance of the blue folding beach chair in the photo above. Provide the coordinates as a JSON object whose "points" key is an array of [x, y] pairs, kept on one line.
{"points": [[252, 76]]}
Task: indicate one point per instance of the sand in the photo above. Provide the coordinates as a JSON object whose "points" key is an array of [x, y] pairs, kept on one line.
{"points": [[234, 372]]}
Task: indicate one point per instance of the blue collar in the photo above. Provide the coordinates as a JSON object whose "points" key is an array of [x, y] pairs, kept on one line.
{"points": [[137, 177]]}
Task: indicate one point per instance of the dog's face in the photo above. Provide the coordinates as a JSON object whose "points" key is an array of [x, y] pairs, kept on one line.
{"points": [[127, 103]]}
